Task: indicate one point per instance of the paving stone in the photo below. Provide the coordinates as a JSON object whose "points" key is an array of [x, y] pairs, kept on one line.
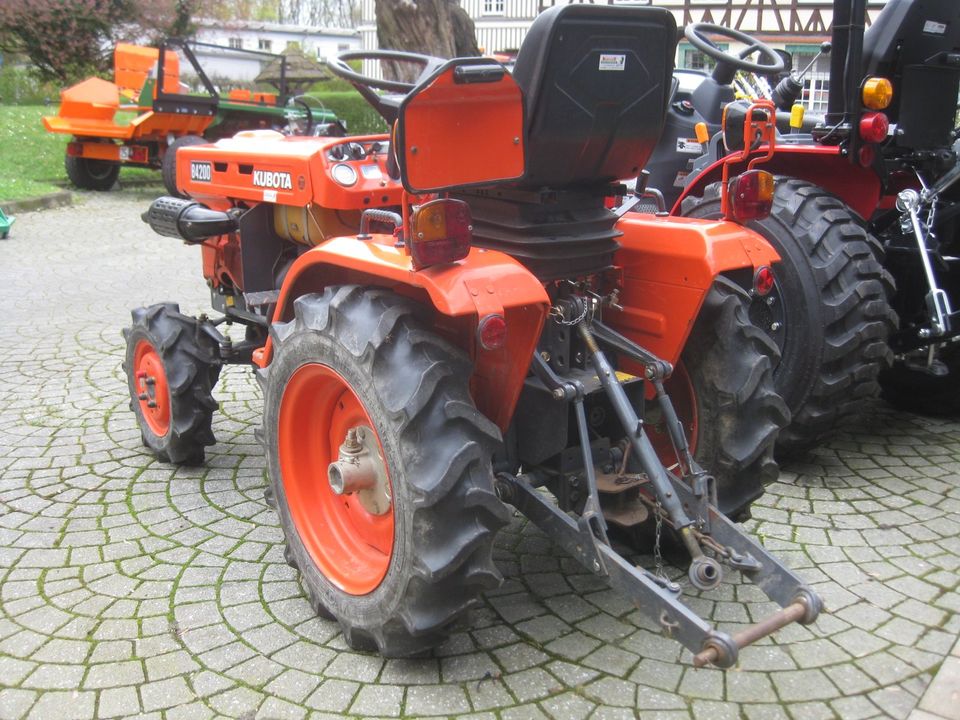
{"points": [[165, 694], [115, 675], [63, 706], [15, 701], [333, 695], [436, 700], [118, 702], [379, 700]]}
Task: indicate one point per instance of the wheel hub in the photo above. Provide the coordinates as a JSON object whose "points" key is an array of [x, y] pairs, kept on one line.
{"points": [[150, 386], [768, 313], [361, 470]]}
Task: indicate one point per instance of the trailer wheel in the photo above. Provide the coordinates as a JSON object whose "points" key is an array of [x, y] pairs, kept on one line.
{"points": [[723, 392], [88, 174], [168, 166], [402, 556], [829, 312], [922, 393], [171, 369]]}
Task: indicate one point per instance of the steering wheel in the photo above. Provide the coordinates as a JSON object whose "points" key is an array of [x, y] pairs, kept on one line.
{"points": [[298, 101], [386, 105], [696, 35]]}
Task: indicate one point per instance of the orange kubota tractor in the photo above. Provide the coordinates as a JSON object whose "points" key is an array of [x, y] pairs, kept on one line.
{"points": [[501, 335]]}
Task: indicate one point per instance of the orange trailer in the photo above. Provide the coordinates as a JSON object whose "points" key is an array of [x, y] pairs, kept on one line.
{"points": [[140, 120]]}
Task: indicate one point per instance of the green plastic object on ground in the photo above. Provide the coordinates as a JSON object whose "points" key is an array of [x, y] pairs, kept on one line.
{"points": [[5, 224]]}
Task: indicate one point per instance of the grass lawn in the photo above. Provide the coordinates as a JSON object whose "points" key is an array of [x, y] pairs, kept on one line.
{"points": [[31, 159]]}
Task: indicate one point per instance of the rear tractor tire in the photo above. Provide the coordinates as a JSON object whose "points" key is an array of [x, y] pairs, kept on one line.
{"points": [[400, 555], [723, 392], [89, 174], [829, 312], [168, 166], [171, 369]]}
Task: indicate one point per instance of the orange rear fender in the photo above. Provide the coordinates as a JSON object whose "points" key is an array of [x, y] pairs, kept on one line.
{"points": [[668, 266], [460, 294]]}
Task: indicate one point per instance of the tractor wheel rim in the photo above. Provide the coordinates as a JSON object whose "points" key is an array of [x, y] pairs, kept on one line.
{"points": [[151, 388], [684, 398], [350, 546]]}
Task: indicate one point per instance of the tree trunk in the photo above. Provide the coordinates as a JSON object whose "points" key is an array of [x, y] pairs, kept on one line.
{"points": [[430, 27]]}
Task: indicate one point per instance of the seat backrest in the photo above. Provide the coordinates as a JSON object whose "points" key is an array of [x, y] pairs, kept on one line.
{"points": [[916, 44], [596, 82]]}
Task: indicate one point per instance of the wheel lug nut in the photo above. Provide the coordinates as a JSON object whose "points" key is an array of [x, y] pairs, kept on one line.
{"points": [[150, 380], [142, 396], [152, 404]]}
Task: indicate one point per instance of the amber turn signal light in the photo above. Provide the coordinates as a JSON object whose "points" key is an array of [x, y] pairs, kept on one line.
{"points": [[877, 93], [751, 195], [440, 232]]}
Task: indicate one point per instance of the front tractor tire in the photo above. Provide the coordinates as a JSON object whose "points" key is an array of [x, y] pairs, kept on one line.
{"points": [[171, 368], [829, 312], [168, 166], [90, 174], [398, 561], [724, 394]]}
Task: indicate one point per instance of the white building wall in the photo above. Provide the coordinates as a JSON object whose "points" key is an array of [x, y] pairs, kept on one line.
{"points": [[320, 43]]}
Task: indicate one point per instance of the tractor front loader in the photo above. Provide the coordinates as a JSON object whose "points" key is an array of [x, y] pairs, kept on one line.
{"points": [[443, 325]]}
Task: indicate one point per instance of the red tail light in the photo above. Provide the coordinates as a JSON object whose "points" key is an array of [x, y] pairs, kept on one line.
{"points": [[763, 281], [74, 149], [440, 232], [874, 127], [751, 195], [492, 332]]}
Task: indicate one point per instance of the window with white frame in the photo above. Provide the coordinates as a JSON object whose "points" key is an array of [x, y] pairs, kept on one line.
{"points": [[235, 42], [265, 44], [494, 7]]}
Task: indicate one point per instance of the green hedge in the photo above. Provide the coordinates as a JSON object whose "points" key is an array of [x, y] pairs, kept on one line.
{"points": [[349, 106], [19, 86]]}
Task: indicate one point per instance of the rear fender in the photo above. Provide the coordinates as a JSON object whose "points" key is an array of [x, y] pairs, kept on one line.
{"points": [[668, 266], [823, 165], [458, 294]]}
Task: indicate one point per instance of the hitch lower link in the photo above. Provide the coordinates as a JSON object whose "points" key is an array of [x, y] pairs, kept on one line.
{"points": [[585, 538]]}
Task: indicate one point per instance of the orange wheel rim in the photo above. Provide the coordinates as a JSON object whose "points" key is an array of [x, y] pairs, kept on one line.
{"points": [[680, 389], [150, 384], [351, 546]]}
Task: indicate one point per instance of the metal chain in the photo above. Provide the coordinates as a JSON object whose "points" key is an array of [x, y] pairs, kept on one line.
{"points": [[657, 556], [557, 313]]}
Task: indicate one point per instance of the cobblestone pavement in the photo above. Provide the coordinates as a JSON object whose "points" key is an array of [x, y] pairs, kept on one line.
{"points": [[133, 587]]}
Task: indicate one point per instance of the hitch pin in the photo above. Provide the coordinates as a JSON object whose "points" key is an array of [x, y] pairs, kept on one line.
{"points": [[749, 635]]}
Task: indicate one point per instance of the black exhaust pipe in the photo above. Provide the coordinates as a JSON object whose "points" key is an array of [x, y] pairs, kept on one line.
{"points": [[846, 70], [188, 220]]}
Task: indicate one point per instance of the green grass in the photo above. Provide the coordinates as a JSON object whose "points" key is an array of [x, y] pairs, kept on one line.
{"points": [[31, 159]]}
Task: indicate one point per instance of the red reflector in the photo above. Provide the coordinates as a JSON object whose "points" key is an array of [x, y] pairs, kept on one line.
{"points": [[867, 154], [873, 127], [751, 195], [440, 232], [139, 154], [492, 332], [763, 281], [74, 149]]}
